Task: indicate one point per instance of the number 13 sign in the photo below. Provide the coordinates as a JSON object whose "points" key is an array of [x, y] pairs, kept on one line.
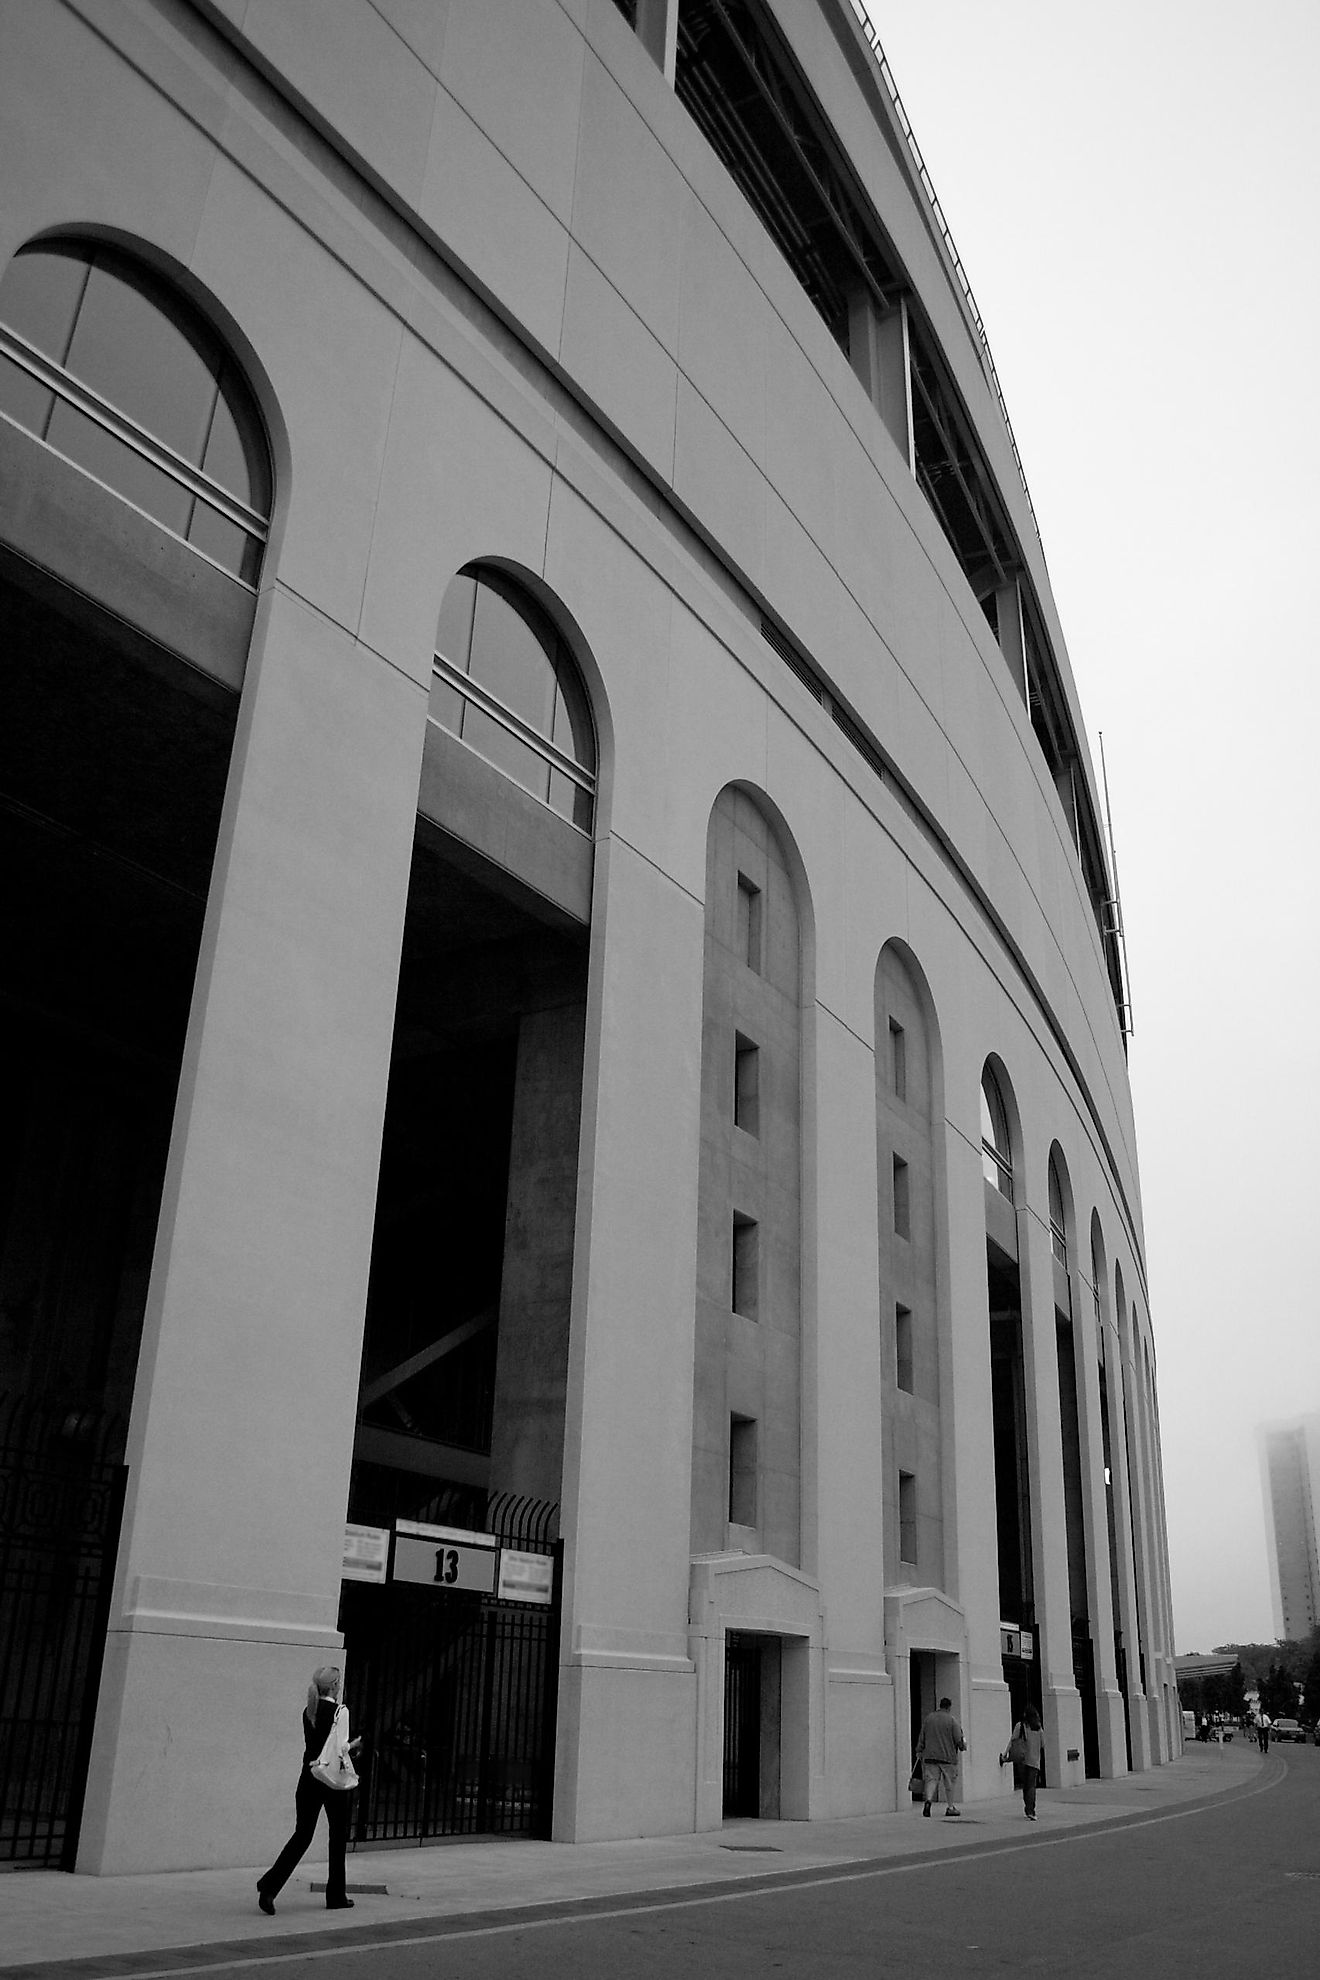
{"points": [[445, 1557]]}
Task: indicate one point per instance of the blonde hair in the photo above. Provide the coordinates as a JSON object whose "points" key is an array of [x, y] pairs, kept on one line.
{"points": [[326, 1681]]}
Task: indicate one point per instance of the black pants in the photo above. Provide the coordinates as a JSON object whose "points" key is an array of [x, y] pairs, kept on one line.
{"points": [[310, 1799], [1030, 1776]]}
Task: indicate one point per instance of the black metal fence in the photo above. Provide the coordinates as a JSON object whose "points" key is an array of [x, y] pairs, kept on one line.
{"points": [[455, 1694], [61, 1499]]}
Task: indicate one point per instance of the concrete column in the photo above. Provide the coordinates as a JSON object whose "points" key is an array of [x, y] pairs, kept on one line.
{"points": [[1168, 1646], [527, 1440], [1136, 1485], [1061, 1705], [1149, 1526], [627, 1734], [843, 1481], [971, 1540], [657, 30], [878, 349], [242, 1429], [1100, 1607], [1012, 633], [1127, 1572]]}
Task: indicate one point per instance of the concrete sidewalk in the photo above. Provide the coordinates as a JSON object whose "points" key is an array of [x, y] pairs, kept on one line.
{"points": [[49, 1917]]}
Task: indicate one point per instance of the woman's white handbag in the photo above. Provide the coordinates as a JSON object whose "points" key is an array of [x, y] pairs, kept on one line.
{"points": [[334, 1768]]}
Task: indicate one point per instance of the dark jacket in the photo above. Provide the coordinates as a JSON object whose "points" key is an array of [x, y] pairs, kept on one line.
{"points": [[315, 1733]]}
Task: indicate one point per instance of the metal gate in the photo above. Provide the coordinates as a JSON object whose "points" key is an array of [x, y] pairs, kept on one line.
{"points": [[455, 1695], [61, 1499]]}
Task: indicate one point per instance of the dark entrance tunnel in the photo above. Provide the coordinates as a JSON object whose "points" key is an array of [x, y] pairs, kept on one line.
{"points": [[465, 1355], [113, 759]]}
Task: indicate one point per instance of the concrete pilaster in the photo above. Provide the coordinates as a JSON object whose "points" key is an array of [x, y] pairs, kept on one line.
{"points": [[1061, 1706], [1123, 1529], [843, 1483], [1100, 1608], [1136, 1483], [970, 1468], [627, 1735]]}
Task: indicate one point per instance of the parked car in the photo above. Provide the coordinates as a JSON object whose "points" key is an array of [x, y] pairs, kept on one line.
{"points": [[1287, 1729]]}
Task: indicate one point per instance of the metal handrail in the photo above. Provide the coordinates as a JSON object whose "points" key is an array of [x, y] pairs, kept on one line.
{"points": [[85, 400], [872, 35]]}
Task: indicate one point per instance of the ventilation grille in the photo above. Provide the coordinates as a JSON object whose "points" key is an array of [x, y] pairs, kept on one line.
{"points": [[816, 688], [793, 660]]}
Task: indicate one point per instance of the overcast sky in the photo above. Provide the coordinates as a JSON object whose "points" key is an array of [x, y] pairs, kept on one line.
{"points": [[1134, 191]]}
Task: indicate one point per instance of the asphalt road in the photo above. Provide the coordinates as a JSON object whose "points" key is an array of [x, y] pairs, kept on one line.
{"points": [[1211, 1892]]}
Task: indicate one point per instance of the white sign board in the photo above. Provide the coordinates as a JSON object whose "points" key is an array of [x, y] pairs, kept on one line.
{"points": [[445, 1557], [526, 1577], [366, 1552]]}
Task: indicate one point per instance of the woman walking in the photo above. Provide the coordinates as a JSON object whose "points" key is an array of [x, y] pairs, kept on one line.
{"points": [[1028, 1742], [311, 1797]]}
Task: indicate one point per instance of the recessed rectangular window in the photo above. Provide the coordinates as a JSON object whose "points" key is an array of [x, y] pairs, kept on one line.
{"points": [[903, 1347], [902, 1203], [907, 1518], [742, 1471], [898, 1060], [746, 1250], [749, 923], [746, 1085]]}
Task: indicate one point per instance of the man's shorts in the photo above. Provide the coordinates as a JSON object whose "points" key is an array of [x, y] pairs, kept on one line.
{"points": [[937, 1774]]}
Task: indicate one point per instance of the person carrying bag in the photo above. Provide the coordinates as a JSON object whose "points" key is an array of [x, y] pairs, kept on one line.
{"points": [[326, 1778], [333, 1767], [1026, 1749]]}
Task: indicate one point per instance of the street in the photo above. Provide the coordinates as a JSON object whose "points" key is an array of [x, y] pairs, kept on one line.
{"points": [[1228, 1889]]}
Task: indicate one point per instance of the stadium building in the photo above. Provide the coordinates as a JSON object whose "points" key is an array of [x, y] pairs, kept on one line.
{"points": [[562, 1006]]}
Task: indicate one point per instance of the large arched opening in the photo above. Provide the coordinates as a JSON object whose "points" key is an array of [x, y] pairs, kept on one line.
{"points": [[135, 499], [461, 1408]]}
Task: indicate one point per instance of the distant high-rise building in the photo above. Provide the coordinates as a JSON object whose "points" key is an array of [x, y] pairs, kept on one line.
{"points": [[1290, 1474]]}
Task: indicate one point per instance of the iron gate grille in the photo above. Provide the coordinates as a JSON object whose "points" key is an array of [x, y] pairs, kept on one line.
{"points": [[61, 1499], [455, 1694]]}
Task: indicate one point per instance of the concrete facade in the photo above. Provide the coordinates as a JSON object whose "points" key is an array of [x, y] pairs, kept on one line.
{"points": [[564, 345]]}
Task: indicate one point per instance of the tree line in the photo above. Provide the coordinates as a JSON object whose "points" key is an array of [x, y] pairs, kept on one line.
{"points": [[1285, 1674]]}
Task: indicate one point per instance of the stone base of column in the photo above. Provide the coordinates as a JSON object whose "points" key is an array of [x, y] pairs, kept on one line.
{"points": [[988, 1725], [626, 1747], [1113, 1738], [1062, 1719], [860, 1738], [198, 1742]]}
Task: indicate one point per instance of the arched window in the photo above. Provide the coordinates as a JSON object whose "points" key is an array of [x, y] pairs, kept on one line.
{"points": [[1097, 1275], [1058, 1226], [110, 368], [505, 682], [996, 1150]]}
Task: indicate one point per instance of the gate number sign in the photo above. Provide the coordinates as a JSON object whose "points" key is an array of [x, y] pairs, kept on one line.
{"points": [[445, 1557]]}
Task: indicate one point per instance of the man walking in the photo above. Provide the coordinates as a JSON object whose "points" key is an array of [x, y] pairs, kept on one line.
{"points": [[940, 1742]]}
